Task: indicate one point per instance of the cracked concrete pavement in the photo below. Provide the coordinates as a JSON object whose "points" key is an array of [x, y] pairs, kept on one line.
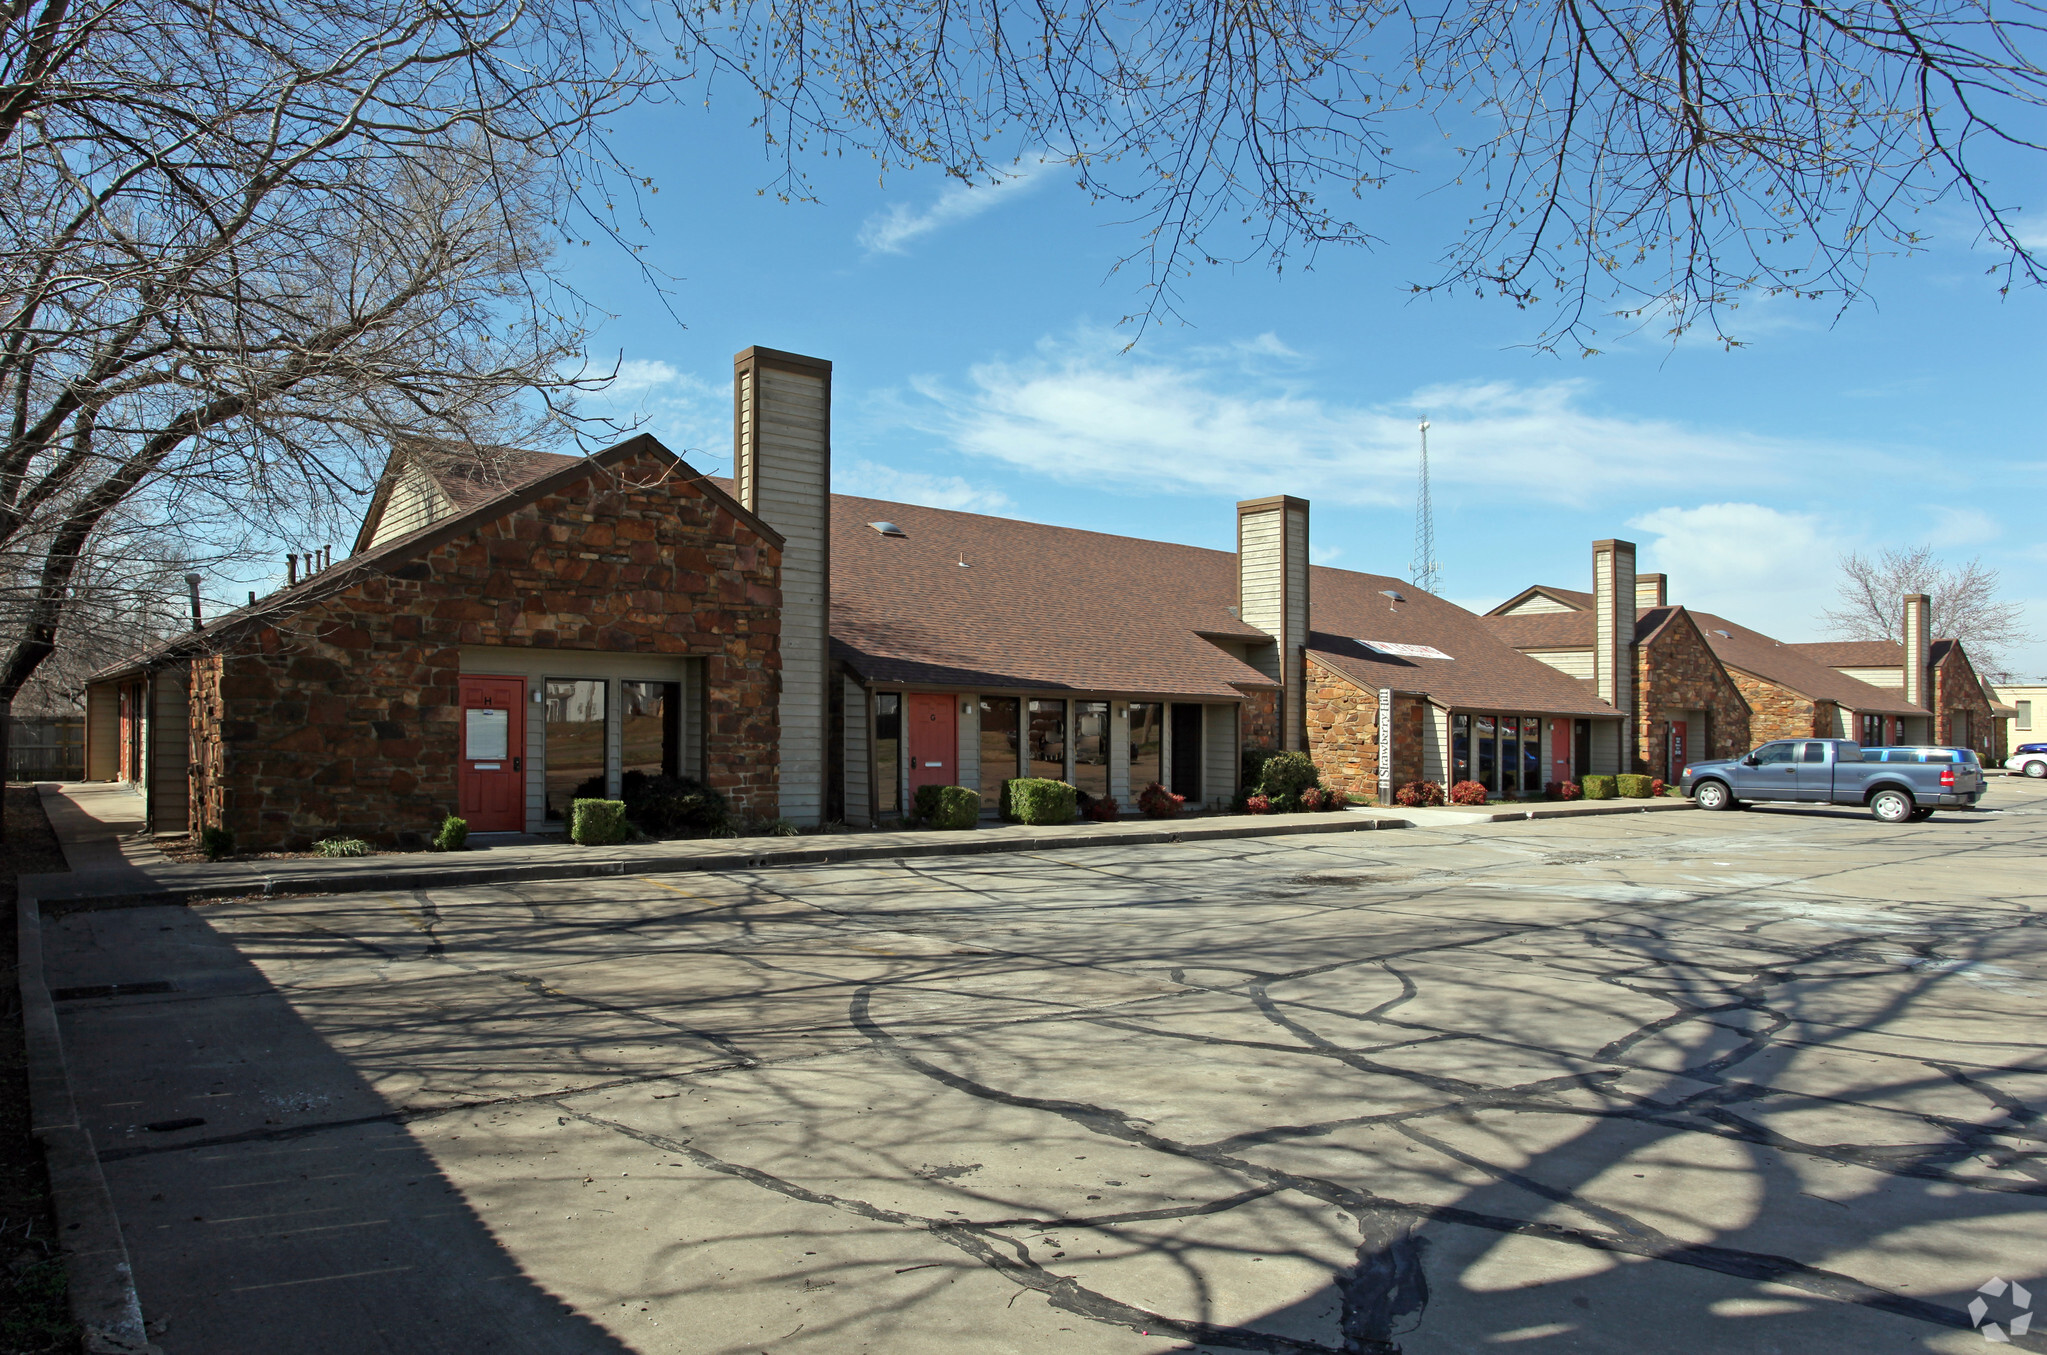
{"points": [[1750, 1082]]}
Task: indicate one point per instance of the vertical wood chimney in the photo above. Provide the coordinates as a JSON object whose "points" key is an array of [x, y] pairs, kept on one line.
{"points": [[1613, 647], [1272, 594], [1651, 590], [782, 471], [1917, 646]]}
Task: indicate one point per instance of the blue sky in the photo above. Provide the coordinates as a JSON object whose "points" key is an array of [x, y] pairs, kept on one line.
{"points": [[979, 364]]}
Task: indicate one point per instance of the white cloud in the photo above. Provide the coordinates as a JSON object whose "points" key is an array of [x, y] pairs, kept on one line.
{"points": [[892, 231], [1957, 529], [871, 480], [1083, 410], [1768, 569]]}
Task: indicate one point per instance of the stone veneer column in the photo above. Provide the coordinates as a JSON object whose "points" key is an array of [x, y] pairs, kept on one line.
{"points": [[1272, 594], [1613, 648], [782, 471]]}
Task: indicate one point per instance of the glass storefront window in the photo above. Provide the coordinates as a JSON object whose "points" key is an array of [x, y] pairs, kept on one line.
{"points": [[1091, 747], [1048, 740], [888, 752], [1487, 735], [575, 743], [1147, 737], [1531, 757], [650, 727], [1460, 748], [1510, 755], [1000, 747]]}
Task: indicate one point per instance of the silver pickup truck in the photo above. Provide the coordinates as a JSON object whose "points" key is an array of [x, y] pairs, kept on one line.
{"points": [[1898, 785]]}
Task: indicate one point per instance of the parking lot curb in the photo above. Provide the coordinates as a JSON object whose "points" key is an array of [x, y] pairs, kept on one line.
{"points": [[282, 884], [96, 1269]]}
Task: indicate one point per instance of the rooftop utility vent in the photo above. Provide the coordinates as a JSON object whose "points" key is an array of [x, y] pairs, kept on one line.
{"points": [[1393, 593], [1725, 635], [888, 529]]}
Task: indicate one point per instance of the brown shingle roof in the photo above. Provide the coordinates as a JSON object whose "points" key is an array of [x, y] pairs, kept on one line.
{"points": [[1855, 653]]}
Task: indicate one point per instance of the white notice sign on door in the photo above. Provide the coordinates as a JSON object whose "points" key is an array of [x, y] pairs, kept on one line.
{"points": [[488, 734]]}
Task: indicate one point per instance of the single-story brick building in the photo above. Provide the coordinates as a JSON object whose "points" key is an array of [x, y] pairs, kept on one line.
{"points": [[1965, 712]]}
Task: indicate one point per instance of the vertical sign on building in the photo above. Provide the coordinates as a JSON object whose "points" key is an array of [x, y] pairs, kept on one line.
{"points": [[1385, 745]]}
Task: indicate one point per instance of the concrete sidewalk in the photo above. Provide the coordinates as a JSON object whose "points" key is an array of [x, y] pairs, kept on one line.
{"points": [[112, 860]]}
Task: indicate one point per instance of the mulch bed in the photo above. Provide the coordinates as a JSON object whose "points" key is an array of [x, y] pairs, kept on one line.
{"points": [[35, 1318]]}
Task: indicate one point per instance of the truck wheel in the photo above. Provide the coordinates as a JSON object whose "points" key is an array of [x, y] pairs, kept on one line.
{"points": [[2036, 770], [1712, 795], [1891, 806]]}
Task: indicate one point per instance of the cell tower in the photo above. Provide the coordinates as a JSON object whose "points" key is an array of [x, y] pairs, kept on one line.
{"points": [[1423, 571]]}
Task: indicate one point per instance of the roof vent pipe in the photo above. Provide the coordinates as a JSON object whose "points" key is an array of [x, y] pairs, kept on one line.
{"points": [[192, 587]]}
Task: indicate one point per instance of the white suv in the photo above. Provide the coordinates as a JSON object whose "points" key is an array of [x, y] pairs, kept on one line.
{"points": [[2029, 760]]}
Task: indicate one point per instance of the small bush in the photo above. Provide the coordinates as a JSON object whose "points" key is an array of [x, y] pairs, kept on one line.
{"points": [[781, 828], [1103, 809], [1041, 800], [217, 843], [453, 835], [1285, 776], [1632, 786], [1257, 804], [1599, 787], [1311, 800], [662, 805], [342, 846], [1657, 788], [1419, 795], [1467, 793], [1156, 802], [597, 823], [948, 807], [1567, 790], [1251, 768]]}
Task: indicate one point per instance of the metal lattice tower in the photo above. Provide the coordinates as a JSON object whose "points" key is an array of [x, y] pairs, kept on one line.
{"points": [[1423, 571]]}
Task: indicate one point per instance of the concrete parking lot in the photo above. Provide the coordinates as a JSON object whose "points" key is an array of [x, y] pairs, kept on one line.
{"points": [[1747, 1082]]}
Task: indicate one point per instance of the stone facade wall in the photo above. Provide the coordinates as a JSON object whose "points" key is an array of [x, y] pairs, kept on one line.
{"points": [[1779, 713], [1343, 732], [1677, 671], [1258, 719], [1955, 689], [344, 718]]}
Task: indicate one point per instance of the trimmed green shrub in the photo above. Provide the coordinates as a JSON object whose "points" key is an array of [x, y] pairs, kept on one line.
{"points": [[454, 835], [948, 807], [1251, 768], [342, 846], [1284, 776], [1633, 786], [1037, 799], [597, 823], [661, 805], [1598, 787], [217, 843]]}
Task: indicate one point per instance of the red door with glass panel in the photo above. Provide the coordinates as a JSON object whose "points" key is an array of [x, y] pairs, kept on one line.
{"points": [[490, 776], [934, 740]]}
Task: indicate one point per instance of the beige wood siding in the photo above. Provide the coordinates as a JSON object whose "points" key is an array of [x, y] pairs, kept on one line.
{"points": [[1436, 745], [1219, 740], [1892, 678], [1576, 662], [1272, 594], [1295, 732], [968, 756], [1260, 576], [784, 475], [170, 736], [415, 501], [1606, 747], [1537, 606], [859, 724], [103, 732], [1119, 753]]}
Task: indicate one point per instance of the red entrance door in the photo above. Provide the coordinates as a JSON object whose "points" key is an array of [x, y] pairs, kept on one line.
{"points": [[490, 778], [1560, 750], [934, 741], [1679, 758]]}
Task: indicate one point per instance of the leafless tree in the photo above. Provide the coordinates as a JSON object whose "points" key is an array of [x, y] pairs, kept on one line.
{"points": [[246, 244], [1658, 161], [1962, 601]]}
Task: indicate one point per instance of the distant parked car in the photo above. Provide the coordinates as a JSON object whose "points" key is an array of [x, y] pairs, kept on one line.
{"points": [[2029, 760], [1898, 785]]}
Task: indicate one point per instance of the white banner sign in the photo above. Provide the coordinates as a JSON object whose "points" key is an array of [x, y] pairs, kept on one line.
{"points": [[1385, 745]]}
